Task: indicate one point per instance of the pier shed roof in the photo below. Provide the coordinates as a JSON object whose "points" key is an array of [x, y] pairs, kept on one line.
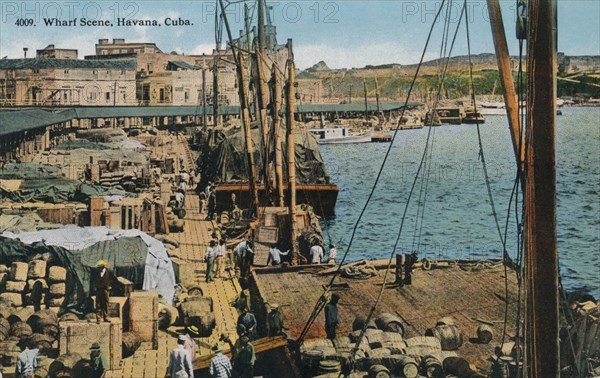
{"points": [[17, 121]]}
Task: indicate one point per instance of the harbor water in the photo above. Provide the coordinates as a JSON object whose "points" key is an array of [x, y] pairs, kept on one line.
{"points": [[450, 215]]}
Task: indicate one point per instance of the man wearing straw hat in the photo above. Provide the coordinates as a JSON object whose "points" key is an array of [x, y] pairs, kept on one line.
{"points": [[103, 280], [220, 366], [98, 361]]}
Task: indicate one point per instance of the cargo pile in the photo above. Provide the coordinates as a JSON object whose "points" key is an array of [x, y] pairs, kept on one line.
{"points": [[384, 352], [22, 284]]}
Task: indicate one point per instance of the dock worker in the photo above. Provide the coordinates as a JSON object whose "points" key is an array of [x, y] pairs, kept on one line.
{"points": [[27, 362], [275, 256], [190, 345], [248, 320], [243, 364], [332, 258], [220, 366], [275, 321], [97, 361], [181, 159], [209, 258], [184, 176], [240, 251], [180, 198], [212, 204], [37, 293], [208, 189], [331, 316], [409, 263], [180, 363], [103, 279], [183, 186], [220, 259], [316, 253]]}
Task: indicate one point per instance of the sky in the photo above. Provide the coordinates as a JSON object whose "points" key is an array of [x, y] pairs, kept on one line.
{"points": [[343, 33]]}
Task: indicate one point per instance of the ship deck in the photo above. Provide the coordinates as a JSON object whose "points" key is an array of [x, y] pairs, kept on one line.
{"points": [[470, 295]]}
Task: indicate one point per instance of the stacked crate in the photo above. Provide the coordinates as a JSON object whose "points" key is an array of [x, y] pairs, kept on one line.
{"points": [[143, 316]]}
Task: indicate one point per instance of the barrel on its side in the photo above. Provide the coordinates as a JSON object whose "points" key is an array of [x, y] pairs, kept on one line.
{"points": [[167, 316], [20, 329], [432, 367], [485, 334], [390, 323], [4, 329], [379, 371], [406, 366], [9, 352], [457, 366], [64, 364], [449, 335], [329, 366]]}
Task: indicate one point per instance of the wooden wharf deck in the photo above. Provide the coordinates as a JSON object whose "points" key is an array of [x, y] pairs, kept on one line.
{"points": [[471, 296], [192, 272]]}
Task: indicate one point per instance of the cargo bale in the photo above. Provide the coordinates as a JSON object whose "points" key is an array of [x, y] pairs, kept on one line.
{"points": [[12, 299], [37, 269], [20, 329], [18, 271], [4, 268], [21, 315], [57, 274], [55, 302], [58, 289], [15, 286]]}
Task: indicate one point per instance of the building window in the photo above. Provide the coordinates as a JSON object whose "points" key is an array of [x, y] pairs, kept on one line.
{"points": [[122, 72], [36, 70], [186, 96], [95, 72], [107, 96], [66, 72]]}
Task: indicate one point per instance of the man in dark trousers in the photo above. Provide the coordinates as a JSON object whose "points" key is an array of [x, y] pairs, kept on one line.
{"points": [[243, 363], [103, 280], [331, 316], [275, 321]]}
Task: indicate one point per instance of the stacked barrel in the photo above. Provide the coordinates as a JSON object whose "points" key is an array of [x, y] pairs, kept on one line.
{"points": [[385, 352]]}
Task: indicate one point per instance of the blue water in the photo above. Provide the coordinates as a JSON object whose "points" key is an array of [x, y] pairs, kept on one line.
{"points": [[457, 219]]}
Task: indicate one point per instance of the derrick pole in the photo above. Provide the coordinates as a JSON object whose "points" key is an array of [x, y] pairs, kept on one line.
{"points": [[277, 99], [510, 95], [542, 347], [291, 150]]}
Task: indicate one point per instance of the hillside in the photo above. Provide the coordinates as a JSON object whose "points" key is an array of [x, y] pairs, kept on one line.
{"points": [[394, 79]]}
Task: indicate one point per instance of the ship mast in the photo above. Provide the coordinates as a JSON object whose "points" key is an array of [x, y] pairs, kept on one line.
{"points": [[291, 149], [542, 347]]}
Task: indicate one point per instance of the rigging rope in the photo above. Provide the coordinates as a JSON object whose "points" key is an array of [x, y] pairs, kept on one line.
{"points": [[317, 307], [380, 294]]}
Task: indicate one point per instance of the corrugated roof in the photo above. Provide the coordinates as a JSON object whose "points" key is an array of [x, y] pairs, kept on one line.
{"points": [[35, 63], [17, 121], [149, 111], [357, 107]]}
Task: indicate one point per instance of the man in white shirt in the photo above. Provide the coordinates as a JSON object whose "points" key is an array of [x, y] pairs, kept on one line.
{"points": [[220, 259], [316, 254], [180, 363], [26, 363], [179, 198]]}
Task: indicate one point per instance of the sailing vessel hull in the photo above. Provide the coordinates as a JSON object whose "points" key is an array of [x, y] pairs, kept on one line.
{"points": [[322, 197]]}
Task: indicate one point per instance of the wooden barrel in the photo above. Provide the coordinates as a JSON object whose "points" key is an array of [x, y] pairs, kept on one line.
{"points": [[390, 323], [485, 334], [206, 303], [41, 342], [446, 320], [379, 353], [43, 365], [4, 329], [57, 274], [5, 310], [406, 366], [379, 371], [311, 359], [190, 309], [432, 367], [64, 364], [418, 351], [449, 335], [83, 368], [9, 351], [131, 343], [40, 319], [4, 268], [71, 317], [18, 271], [21, 315], [51, 330], [167, 316], [20, 329], [329, 366], [423, 341], [457, 366]]}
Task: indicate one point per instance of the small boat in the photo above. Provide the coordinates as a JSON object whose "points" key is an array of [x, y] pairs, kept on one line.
{"points": [[472, 116], [338, 135]]}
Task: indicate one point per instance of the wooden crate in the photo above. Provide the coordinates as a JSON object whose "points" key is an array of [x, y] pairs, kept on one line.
{"points": [[78, 336], [143, 315]]}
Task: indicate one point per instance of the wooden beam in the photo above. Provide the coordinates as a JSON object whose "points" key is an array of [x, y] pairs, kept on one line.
{"points": [[261, 345]]}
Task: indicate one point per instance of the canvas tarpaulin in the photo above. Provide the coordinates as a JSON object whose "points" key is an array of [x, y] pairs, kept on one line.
{"points": [[43, 183], [131, 254], [227, 162]]}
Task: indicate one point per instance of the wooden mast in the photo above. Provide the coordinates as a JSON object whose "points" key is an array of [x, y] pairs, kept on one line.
{"points": [[245, 113], [510, 95], [291, 149], [366, 104], [263, 100], [277, 96], [542, 345]]}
